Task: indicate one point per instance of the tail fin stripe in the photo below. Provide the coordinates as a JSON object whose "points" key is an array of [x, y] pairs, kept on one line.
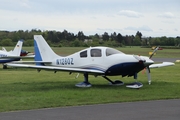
{"points": [[37, 54]]}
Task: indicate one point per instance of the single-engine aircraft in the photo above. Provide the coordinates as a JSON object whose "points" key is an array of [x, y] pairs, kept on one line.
{"points": [[23, 53], [13, 55], [97, 61]]}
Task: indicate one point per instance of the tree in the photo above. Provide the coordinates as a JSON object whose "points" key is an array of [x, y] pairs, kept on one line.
{"points": [[139, 34], [76, 43], [29, 42], [137, 41], [81, 35], [119, 38], [114, 36], [155, 41], [105, 36], [6, 42]]}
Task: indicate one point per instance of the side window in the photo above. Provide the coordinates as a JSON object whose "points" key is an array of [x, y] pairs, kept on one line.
{"points": [[96, 53], [83, 54], [111, 51]]}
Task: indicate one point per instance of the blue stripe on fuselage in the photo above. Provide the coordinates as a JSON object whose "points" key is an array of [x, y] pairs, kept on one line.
{"points": [[125, 69]]}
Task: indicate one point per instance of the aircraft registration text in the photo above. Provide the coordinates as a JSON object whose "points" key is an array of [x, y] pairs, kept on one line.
{"points": [[3, 55], [65, 61]]}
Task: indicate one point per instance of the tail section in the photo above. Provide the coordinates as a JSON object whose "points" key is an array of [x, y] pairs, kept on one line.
{"points": [[17, 48], [43, 51]]}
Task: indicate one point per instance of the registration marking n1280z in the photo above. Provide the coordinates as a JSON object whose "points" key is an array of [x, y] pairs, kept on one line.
{"points": [[65, 61], [3, 55]]}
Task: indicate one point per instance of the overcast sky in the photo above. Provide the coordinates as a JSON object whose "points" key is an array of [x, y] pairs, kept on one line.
{"points": [[151, 17]]}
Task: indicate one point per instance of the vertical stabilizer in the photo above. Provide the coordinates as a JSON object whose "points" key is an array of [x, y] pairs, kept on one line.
{"points": [[17, 48], [43, 51]]}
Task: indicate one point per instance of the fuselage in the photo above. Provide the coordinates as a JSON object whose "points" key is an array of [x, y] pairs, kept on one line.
{"points": [[4, 57], [108, 60]]}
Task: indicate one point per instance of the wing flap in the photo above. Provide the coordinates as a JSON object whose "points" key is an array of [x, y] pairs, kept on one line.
{"points": [[164, 64]]}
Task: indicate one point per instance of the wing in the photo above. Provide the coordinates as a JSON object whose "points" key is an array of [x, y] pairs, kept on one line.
{"points": [[20, 57], [164, 64], [67, 69]]}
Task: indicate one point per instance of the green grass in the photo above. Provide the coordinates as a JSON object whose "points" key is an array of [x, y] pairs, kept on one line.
{"points": [[22, 89], [165, 53]]}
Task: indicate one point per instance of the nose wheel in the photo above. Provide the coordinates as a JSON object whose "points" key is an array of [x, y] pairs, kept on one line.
{"points": [[136, 84]]}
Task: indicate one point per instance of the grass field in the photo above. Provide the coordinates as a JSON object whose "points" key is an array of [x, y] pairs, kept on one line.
{"points": [[165, 53], [22, 89]]}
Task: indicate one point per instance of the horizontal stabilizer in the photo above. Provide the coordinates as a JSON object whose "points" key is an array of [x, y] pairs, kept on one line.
{"points": [[164, 64]]}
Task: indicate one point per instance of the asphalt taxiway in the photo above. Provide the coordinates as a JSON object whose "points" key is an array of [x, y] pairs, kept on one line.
{"points": [[144, 110]]}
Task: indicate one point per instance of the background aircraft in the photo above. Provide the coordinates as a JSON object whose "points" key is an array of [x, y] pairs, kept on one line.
{"points": [[97, 61], [23, 52], [13, 55]]}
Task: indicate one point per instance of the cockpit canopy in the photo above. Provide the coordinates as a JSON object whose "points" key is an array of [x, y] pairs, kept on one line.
{"points": [[97, 52]]}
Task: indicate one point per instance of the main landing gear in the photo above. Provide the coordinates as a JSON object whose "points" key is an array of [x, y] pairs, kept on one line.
{"points": [[85, 83], [116, 82]]}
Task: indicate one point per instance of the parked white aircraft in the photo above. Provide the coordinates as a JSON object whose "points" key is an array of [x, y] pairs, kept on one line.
{"points": [[13, 55], [24, 53], [97, 61]]}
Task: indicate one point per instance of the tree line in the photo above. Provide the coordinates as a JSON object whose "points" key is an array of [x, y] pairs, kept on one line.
{"points": [[68, 39]]}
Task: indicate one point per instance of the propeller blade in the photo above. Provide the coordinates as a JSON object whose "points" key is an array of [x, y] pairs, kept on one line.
{"points": [[148, 75], [153, 52]]}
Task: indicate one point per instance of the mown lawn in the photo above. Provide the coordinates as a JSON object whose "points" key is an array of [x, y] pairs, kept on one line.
{"points": [[22, 89], [165, 53]]}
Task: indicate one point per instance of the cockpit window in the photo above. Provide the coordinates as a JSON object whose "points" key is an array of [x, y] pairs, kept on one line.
{"points": [[83, 54], [96, 53], [111, 51]]}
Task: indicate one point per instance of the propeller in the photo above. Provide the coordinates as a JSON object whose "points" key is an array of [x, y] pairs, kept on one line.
{"points": [[153, 52], [148, 74], [147, 68]]}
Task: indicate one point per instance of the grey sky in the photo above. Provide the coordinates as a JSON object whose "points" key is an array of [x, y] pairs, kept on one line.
{"points": [[150, 17]]}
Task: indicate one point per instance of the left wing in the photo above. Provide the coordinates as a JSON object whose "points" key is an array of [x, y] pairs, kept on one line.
{"points": [[67, 69], [164, 64], [20, 57]]}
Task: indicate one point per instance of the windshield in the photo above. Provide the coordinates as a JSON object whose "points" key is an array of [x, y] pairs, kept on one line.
{"points": [[111, 51]]}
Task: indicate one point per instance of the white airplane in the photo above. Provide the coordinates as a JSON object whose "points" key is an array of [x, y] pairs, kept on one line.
{"points": [[97, 61], [24, 53], [13, 55]]}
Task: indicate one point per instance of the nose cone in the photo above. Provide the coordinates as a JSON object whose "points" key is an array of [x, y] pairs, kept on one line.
{"points": [[147, 61]]}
